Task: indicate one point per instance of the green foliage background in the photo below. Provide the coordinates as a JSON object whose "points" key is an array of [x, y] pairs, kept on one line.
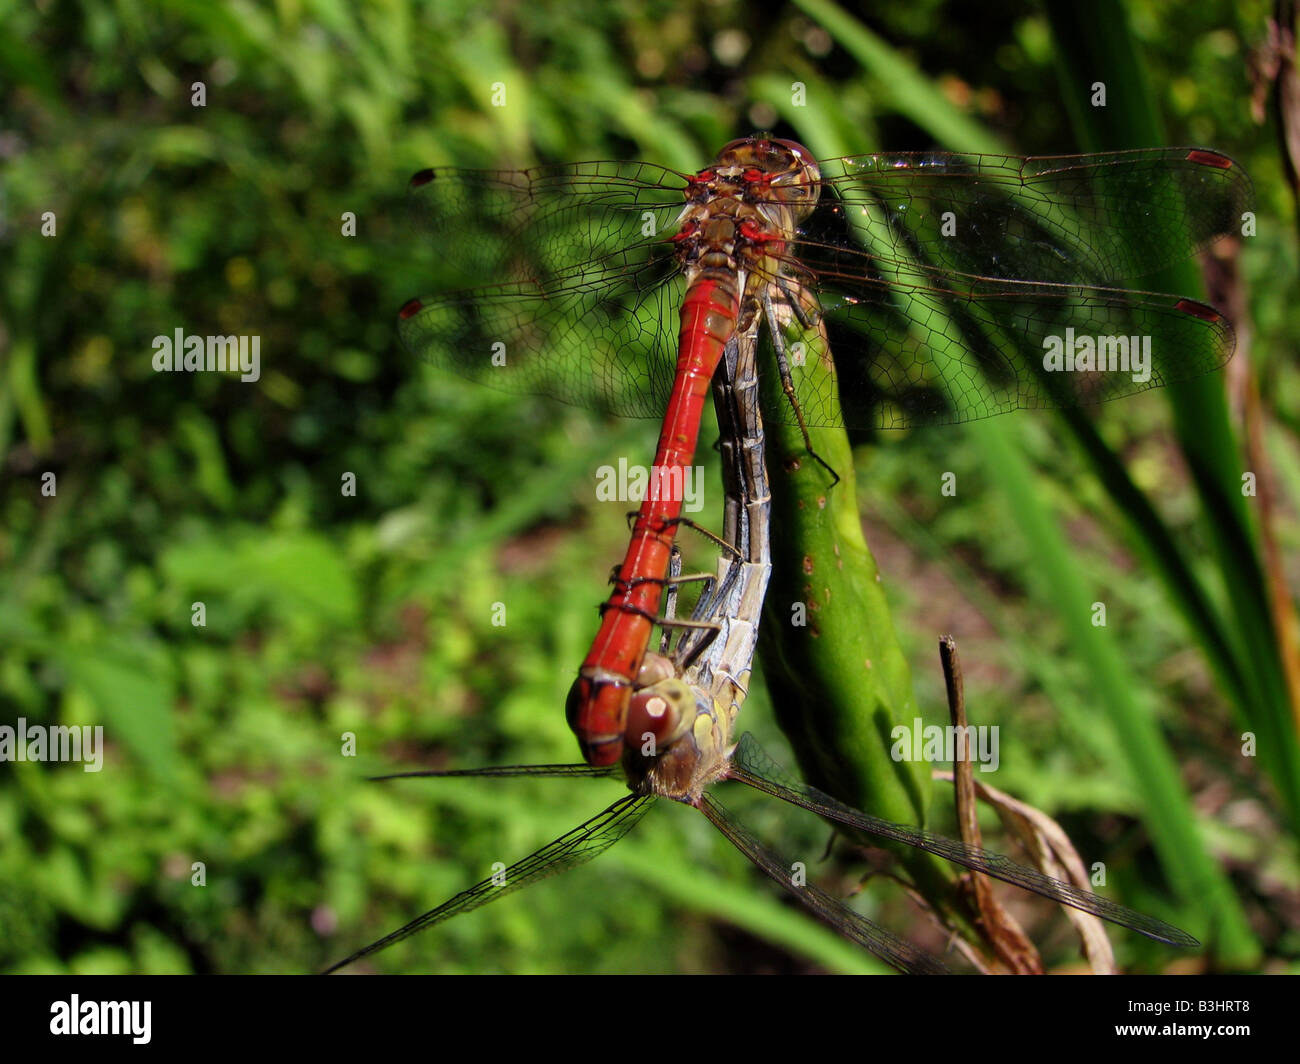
{"points": [[374, 615]]}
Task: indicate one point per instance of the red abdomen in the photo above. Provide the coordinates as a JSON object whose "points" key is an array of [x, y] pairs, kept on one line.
{"points": [[598, 701]]}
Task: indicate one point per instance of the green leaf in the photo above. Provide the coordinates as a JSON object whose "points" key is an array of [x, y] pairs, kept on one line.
{"points": [[131, 685]]}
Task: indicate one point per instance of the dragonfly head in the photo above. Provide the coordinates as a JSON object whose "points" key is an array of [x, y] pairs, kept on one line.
{"points": [[671, 743], [661, 710], [610, 716], [796, 175]]}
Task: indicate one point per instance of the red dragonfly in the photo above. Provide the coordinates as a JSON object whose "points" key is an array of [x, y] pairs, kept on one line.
{"points": [[951, 287], [684, 708]]}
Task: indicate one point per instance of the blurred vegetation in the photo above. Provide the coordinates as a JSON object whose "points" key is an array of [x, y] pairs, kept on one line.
{"points": [[373, 614]]}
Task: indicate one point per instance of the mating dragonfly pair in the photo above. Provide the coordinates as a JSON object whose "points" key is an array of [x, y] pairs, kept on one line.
{"points": [[950, 287]]}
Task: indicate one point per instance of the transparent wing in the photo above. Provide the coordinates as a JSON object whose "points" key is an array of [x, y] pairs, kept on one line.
{"points": [[556, 281], [938, 278], [945, 280], [912, 347], [490, 227], [568, 851], [751, 765], [852, 925], [1069, 219], [602, 336]]}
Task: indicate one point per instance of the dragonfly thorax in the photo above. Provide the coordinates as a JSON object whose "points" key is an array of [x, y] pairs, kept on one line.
{"points": [[744, 210]]}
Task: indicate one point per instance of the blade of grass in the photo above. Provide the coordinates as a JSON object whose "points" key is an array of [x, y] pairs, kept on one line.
{"points": [[1099, 39], [1146, 759]]}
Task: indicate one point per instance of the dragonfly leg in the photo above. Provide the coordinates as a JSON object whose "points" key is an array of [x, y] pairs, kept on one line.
{"points": [[712, 537], [708, 632], [667, 582], [675, 578], [787, 382], [805, 319], [670, 593], [709, 629], [669, 620]]}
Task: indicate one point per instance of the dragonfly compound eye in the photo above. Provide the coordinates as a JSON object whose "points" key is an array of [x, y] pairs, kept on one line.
{"points": [[659, 715], [807, 171], [796, 149], [655, 668]]}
